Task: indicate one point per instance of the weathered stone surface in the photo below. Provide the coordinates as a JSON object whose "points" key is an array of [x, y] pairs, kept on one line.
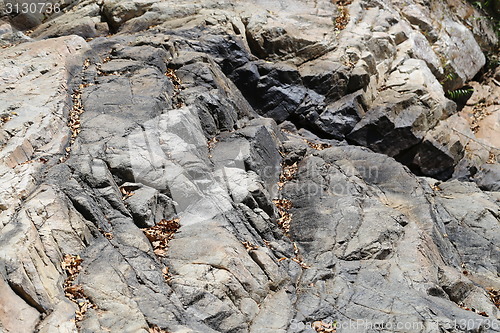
{"points": [[488, 177], [34, 134], [9, 35], [440, 150], [118, 12], [356, 213], [82, 20], [341, 116], [211, 177], [147, 205], [15, 314]]}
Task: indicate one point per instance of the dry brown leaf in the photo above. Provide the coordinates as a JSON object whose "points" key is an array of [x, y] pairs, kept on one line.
{"points": [[342, 18], [160, 252], [495, 296], [492, 158], [172, 75], [284, 205], [160, 234], [288, 173], [249, 246], [72, 265], [156, 329], [320, 326]]}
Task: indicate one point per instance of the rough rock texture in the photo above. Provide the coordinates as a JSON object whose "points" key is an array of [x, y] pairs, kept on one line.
{"points": [[208, 166]]}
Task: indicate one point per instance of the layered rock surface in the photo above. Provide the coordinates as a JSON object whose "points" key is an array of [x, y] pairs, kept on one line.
{"points": [[234, 167]]}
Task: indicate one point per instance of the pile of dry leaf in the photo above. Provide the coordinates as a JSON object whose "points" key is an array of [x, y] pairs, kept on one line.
{"points": [[172, 75], [317, 146], [284, 205], [160, 234], [495, 296], [72, 265], [75, 113]]}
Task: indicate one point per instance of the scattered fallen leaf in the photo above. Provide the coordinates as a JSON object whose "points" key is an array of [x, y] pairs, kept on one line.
{"points": [[160, 234], [74, 119], [301, 263], [320, 326], [86, 63], [127, 191], [479, 112], [211, 143], [5, 118], [166, 273], [492, 158], [172, 75], [160, 252], [285, 218], [435, 186], [283, 206], [316, 145], [495, 296], [481, 313], [72, 265], [156, 329], [249, 246], [288, 172], [342, 18]]}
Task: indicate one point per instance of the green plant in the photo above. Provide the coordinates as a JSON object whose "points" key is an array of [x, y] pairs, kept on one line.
{"points": [[450, 77], [478, 4], [487, 7], [459, 93], [483, 4]]}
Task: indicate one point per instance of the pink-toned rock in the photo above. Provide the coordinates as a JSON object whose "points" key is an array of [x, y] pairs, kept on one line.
{"points": [[15, 314], [489, 127], [34, 104], [34, 99]]}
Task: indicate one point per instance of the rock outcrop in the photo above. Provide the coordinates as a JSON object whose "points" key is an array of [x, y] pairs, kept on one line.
{"points": [[207, 166]]}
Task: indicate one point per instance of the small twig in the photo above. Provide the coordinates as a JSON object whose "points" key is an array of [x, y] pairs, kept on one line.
{"points": [[474, 139]]}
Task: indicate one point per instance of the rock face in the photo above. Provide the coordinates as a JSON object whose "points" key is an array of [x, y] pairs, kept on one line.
{"points": [[249, 167]]}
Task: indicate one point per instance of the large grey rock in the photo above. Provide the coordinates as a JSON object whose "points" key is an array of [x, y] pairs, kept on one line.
{"points": [[341, 116], [36, 134], [9, 35], [168, 139], [292, 31], [488, 177], [147, 205], [83, 20], [356, 215], [440, 150], [18, 316], [118, 12]]}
